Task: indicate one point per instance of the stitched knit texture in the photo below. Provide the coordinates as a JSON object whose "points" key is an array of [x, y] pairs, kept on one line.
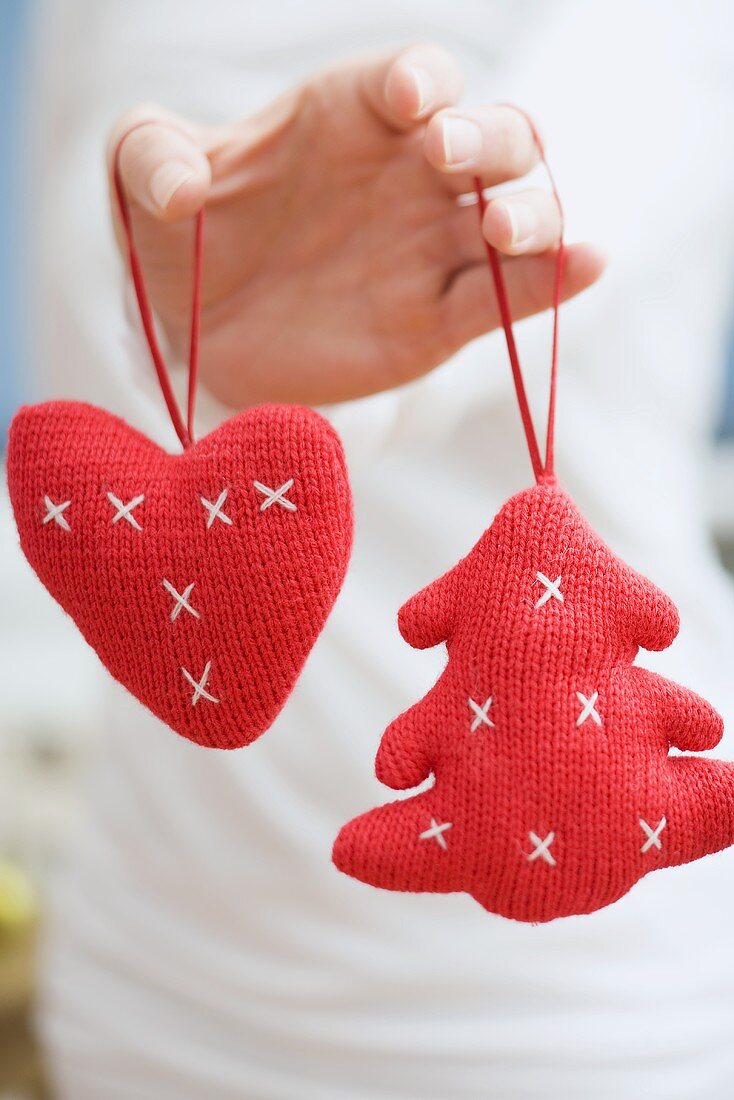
{"points": [[554, 789], [264, 575]]}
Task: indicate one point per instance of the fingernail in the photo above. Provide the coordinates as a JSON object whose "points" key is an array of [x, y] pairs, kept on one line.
{"points": [[462, 141], [166, 180], [523, 220], [424, 88]]}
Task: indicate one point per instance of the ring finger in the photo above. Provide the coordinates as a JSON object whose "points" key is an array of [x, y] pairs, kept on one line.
{"points": [[516, 224], [524, 222]]}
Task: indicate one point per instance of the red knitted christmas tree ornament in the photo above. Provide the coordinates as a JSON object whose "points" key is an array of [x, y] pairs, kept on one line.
{"points": [[553, 787], [554, 791], [201, 579]]}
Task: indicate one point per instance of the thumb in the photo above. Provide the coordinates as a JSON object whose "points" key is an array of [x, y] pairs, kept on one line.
{"points": [[162, 166]]}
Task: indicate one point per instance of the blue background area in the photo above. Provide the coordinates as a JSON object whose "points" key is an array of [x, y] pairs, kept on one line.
{"points": [[726, 427], [14, 16]]}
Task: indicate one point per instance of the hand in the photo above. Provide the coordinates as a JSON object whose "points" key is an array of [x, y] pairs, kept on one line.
{"points": [[337, 261]]}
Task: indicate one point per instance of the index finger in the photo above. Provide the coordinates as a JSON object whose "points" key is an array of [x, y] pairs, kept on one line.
{"points": [[163, 168]]}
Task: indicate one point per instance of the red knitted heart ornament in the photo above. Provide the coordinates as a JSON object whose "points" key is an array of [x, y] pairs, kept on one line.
{"points": [[553, 787], [201, 579]]}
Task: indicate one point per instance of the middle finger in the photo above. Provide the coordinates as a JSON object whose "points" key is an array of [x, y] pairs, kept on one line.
{"points": [[495, 143]]}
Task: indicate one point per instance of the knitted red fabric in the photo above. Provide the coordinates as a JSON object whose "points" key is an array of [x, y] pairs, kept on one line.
{"points": [[201, 579], [554, 789]]}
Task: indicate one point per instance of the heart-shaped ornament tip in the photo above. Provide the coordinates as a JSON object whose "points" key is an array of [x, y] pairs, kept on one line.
{"points": [[202, 579]]}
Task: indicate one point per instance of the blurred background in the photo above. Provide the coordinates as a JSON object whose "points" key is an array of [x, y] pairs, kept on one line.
{"points": [[49, 682]]}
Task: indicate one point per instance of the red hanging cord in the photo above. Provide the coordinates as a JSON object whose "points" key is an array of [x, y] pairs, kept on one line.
{"points": [[542, 470], [184, 431], [195, 323]]}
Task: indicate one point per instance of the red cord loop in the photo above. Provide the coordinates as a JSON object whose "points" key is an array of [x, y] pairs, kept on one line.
{"points": [[543, 470], [184, 431]]}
